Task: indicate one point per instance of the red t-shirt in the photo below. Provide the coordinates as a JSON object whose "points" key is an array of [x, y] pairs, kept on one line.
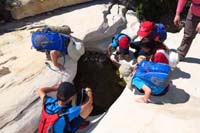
{"points": [[160, 57]]}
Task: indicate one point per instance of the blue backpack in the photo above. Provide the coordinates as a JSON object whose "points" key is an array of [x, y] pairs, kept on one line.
{"points": [[116, 38], [154, 75], [47, 40], [160, 29]]}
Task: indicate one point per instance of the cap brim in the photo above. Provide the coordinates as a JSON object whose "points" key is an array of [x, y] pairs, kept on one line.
{"points": [[142, 33]]}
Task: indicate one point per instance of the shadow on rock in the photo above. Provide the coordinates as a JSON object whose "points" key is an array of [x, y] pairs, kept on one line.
{"points": [[173, 96], [178, 73], [192, 60]]}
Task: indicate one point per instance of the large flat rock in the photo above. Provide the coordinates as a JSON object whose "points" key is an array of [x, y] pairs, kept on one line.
{"points": [[26, 8], [22, 69], [178, 111]]}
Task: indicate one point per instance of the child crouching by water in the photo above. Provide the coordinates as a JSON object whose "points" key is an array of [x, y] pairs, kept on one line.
{"points": [[152, 77]]}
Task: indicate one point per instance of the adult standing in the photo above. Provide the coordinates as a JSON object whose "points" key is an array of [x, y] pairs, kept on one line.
{"points": [[192, 25]]}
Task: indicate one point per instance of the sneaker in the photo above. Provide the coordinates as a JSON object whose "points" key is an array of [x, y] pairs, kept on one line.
{"points": [[84, 125]]}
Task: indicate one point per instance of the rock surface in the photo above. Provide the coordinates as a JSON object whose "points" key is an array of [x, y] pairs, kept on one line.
{"points": [[23, 71], [25, 8], [177, 111]]}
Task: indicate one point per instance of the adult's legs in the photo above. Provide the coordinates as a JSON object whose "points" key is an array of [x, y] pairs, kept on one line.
{"points": [[189, 34]]}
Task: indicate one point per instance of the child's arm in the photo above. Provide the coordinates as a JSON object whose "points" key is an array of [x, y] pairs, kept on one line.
{"points": [[54, 57], [147, 93], [43, 91], [109, 49]]}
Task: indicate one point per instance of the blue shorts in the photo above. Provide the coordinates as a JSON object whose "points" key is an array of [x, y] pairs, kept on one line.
{"points": [[155, 90]]}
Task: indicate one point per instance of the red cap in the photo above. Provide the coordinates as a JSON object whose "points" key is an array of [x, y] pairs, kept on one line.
{"points": [[124, 42], [124, 45], [145, 28]]}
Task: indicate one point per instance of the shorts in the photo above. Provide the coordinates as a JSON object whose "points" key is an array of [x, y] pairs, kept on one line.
{"points": [[155, 90]]}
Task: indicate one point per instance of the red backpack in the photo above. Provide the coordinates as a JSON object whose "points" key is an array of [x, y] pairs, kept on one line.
{"points": [[47, 121]]}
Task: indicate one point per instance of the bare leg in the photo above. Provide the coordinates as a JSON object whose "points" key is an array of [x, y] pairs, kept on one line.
{"points": [[147, 93]]}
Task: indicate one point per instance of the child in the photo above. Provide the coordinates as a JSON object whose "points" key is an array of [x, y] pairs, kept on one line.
{"points": [[151, 47], [56, 41], [68, 118], [147, 28], [120, 43]]}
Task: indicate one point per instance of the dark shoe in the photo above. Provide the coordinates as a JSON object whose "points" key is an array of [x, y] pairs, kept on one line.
{"points": [[84, 125]]}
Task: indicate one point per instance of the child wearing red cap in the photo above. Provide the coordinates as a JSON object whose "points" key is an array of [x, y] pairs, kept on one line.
{"points": [[156, 32], [152, 48], [120, 43]]}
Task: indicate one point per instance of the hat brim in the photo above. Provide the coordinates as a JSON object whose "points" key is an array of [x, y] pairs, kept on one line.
{"points": [[142, 33]]}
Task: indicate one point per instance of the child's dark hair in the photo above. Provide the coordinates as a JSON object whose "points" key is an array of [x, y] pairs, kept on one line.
{"points": [[65, 91], [152, 45]]}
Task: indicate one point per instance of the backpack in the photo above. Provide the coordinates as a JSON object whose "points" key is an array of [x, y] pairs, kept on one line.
{"points": [[172, 57], [154, 75], [47, 121], [160, 29], [116, 38], [46, 40]]}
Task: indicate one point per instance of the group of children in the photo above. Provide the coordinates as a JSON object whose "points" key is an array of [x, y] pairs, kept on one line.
{"points": [[150, 48], [58, 115], [151, 74]]}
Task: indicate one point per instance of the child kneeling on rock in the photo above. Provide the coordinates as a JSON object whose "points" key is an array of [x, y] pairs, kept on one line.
{"points": [[152, 77], [58, 115], [57, 42]]}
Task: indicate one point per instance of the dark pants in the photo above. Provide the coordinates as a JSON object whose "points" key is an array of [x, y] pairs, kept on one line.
{"points": [[189, 34]]}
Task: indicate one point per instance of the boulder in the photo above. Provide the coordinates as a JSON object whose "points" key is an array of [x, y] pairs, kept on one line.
{"points": [[98, 38]]}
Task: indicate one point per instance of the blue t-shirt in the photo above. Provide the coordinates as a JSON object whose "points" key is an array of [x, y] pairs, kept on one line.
{"points": [[71, 115]]}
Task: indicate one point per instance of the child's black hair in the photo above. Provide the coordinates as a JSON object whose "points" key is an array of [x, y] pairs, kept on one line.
{"points": [[65, 91]]}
